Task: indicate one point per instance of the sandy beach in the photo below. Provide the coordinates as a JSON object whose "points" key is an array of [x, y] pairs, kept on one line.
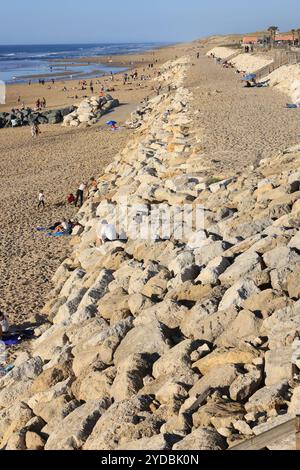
{"points": [[56, 162]]}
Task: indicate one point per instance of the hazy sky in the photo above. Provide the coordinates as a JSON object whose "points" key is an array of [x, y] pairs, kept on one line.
{"points": [[69, 21]]}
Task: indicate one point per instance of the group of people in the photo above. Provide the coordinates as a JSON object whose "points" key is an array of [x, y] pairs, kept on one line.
{"points": [[249, 48], [40, 104], [63, 227], [248, 78], [78, 199]]}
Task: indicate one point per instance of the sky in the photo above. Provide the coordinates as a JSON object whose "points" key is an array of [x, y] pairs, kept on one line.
{"points": [[84, 21]]}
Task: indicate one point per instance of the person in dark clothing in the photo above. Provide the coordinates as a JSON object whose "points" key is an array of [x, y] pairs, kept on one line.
{"points": [[80, 195]]}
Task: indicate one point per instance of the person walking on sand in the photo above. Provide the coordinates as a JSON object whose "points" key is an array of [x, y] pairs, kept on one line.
{"points": [[80, 195], [34, 130], [41, 200]]}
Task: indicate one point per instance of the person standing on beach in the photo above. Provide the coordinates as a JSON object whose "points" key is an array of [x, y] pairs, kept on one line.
{"points": [[35, 130], [41, 200], [4, 324], [80, 195]]}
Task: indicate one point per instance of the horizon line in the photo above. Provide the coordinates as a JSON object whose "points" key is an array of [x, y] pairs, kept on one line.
{"points": [[88, 43]]}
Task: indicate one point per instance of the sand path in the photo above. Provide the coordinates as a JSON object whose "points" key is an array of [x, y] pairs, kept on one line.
{"points": [[241, 125], [56, 162]]}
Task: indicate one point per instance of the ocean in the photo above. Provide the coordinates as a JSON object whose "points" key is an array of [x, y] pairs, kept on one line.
{"points": [[19, 63]]}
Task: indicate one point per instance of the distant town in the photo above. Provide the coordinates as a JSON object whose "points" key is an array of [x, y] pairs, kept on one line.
{"points": [[273, 37]]}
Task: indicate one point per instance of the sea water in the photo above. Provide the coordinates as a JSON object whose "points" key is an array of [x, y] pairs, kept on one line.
{"points": [[20, 63]]}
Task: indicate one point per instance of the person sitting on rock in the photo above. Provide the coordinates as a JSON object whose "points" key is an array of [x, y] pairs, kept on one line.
{"points": [[93, 188], [105, 233], [4, 324]]}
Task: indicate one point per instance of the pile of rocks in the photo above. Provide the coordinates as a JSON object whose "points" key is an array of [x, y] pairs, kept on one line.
{"points": [[249, 63], [26, 117], [168, 343], [90, 111]]}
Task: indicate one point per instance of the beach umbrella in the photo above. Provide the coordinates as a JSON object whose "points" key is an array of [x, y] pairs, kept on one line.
{"points": [[111, 123]]}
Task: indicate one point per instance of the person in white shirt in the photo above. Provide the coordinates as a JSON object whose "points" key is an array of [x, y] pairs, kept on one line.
{"points": [[106, 232], [4, 324], [41, 200], [80, 195]]}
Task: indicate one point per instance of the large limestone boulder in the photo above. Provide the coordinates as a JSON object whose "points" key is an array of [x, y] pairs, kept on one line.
{"points": [[294, 407], [246, 384], [236, 295], [59, 389], [87, 307], [202, 439], [74, 430], [245, 327], [243, 265], [220, 414], [283, 326], [54, 411], [168, 312], [12, 392], [157, 286], [149, 338], [198, 323], [212, 273], [159, 442], [281, 257], [113, 303], [268, 398], [52, 339], [218, 378], [124, 422], [12, 419], [278, 365], [226, 356], [176, 360], [265, 303], [130, 375], [95, 383], [49, 378]]}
